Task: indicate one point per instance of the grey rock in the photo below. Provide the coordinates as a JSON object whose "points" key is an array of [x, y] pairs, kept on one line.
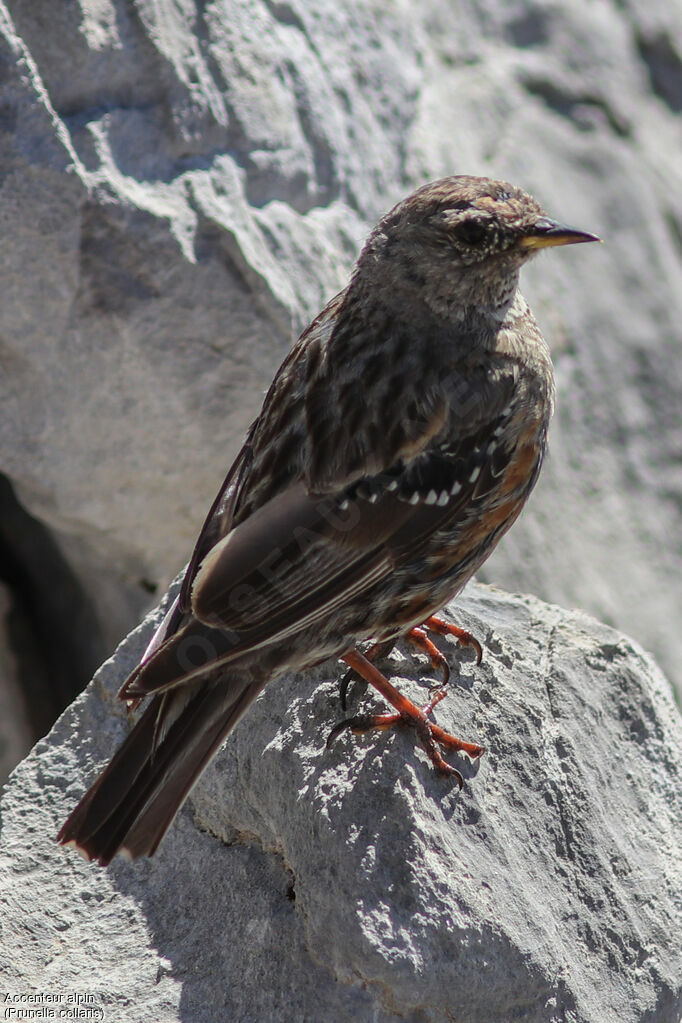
{"points": [[184, 187], [355, 884]]}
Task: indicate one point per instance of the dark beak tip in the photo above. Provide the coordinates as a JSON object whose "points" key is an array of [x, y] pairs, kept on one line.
{"points": [[586, 236]]}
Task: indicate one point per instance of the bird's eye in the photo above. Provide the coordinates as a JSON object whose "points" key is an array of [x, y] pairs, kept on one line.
{"points": [[471, 232]]}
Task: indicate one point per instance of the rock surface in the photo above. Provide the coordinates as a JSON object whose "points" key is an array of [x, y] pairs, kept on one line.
{"points": [[356, 885], [183, 188]]}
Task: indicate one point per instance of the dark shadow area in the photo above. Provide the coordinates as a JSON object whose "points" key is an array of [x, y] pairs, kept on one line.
{"points": [[53, 631], [664, 66]]}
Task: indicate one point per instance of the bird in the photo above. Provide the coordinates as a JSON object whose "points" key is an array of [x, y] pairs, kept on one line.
{"points": [[398, 442]]}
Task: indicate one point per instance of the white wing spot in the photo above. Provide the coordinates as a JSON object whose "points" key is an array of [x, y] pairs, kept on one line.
{"points": [[431, 497], [475, 473]]}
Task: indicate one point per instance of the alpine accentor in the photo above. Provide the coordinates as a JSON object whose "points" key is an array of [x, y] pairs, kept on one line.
{"points": [[398, 442]]}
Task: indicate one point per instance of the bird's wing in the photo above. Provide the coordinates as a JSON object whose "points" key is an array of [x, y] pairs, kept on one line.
{"points": [[302, 556], [218, 522]]}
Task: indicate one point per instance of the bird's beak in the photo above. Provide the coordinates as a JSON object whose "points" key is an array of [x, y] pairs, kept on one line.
{"points": [[546, 232]]}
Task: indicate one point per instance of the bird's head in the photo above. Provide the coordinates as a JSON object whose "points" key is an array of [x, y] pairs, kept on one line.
{"points": [[466, 238]]}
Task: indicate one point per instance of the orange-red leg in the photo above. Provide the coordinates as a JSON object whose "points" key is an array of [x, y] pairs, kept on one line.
{"points": [[430, 734], [419, 638], [375, 653]]}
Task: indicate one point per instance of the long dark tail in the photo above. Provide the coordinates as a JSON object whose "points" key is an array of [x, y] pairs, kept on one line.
{"points": [[132, 804]]}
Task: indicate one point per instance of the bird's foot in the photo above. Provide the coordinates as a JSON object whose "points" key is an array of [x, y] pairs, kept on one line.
{"points": [[430, 735], [418, 636], [443, 628]]}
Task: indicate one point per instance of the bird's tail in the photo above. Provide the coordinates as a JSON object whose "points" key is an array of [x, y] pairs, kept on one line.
{"points": [[132, 804]]}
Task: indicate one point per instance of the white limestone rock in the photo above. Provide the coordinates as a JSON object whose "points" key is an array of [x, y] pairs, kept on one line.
{"points": [[357, 885]]}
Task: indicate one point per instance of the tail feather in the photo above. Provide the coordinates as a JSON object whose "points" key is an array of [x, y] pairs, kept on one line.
{"points": [[180, 659], [132, 804]]}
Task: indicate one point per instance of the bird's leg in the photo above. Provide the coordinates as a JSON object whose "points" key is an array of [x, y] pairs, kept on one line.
{"points": [[375, 653], [408, 713], [419, 638]]}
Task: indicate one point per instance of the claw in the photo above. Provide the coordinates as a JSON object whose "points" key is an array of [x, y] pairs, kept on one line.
{"points": [[344, 686], [362, 723]]}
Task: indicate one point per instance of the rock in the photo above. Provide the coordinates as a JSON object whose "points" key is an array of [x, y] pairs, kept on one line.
{"points": [[355, 883], [183, 189]]}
